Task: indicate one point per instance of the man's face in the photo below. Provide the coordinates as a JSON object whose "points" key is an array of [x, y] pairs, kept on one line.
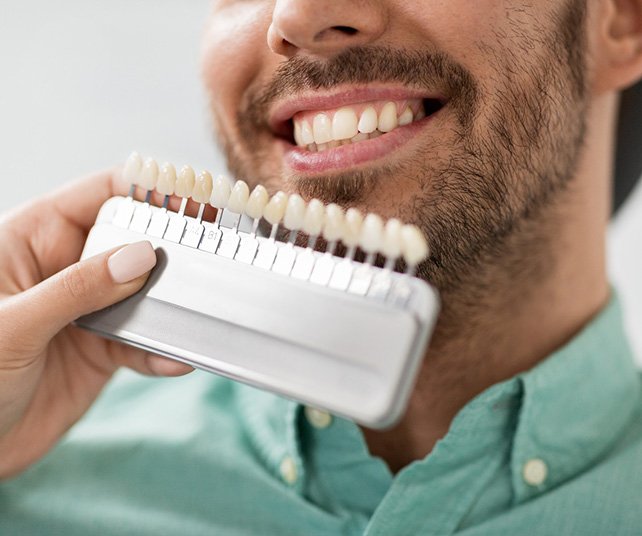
{"points": [[483, 131]]}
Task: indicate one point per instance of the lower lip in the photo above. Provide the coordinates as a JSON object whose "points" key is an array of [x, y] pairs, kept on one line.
{"points": [[301, 160]]}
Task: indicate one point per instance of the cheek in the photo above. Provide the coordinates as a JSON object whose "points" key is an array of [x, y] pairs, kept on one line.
{"points": [[233, 53]]}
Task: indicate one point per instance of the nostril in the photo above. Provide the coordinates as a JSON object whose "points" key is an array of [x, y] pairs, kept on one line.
{"points": [[348, 30]]}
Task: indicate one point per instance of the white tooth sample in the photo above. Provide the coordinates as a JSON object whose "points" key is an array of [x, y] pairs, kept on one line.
{"points": [[307, 137], [352, 227], [203, 187], [297, 133], [149, 174], [220, 192], [413, 245], [388, 118], [132, 168], [334, 222], [322, 129], [185, 182], [360, 137], [256, 202], [274, 210], [313, 219], [344, 124], [368, 120], [406, 117], [294, 213], [166, 179], [371, 233], [391, 245], [238, 197]]}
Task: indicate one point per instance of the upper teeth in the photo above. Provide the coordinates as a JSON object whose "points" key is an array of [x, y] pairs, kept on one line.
{"points": [[327, 129]]}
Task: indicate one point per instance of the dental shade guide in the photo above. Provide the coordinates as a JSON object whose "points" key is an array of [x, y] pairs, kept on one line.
{"points": [[328, 331]]}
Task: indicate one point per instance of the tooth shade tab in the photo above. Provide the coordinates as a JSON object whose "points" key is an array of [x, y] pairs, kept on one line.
{"points": [[391, 244], [238, 197], [413, 245], [166, 179], [294, 213], [275, 209], [371, 236], [185, 182], [203, 187], [352, 229], [132, 168], [256, 202], [313, 218], [334, 223], [221, 190], [149, 174]]}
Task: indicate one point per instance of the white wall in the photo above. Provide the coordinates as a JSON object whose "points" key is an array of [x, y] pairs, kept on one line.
{"points": [[83, 82]]}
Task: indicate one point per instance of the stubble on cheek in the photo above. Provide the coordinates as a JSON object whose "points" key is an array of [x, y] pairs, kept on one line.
{"points": [[479, 192]]}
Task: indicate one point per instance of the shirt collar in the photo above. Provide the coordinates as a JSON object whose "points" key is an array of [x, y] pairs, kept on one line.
{"points": [[575, 403], [565, 412]]}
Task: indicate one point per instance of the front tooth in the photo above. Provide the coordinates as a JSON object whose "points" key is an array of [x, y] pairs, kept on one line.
{"points": [[406, 117], [413, 245], [203, 187], [360, 137], [220, 192], [132, 168], [166, 179], [333, 224], [368, 120], [307, 137], [391, 246], [322, 129], [238, 197], [352, 229], [149, 174], [294, 213], [185, 182], [371, 233], [256, 202], [297, 133], [275, 208], [387, 118], [344, 124], [313, 219]]}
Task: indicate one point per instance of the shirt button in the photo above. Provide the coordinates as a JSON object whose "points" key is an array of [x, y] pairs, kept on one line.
{"points": [[288, 470], [318, 418], [535, 472]]}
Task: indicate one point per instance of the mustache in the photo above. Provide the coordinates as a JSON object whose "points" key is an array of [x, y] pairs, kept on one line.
{"points": [[436, 71]]}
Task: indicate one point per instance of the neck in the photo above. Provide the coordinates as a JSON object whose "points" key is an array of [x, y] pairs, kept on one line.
{"points": [[519, 310]]}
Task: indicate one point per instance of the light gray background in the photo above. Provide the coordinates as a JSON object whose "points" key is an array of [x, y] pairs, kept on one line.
{"points": [[83, 82]]}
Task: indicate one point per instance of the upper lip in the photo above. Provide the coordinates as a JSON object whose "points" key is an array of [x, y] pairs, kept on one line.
{"points": [[282, 111]]}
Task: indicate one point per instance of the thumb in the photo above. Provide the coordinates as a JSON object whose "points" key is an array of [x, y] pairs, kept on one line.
{"points": [[84, 287]]}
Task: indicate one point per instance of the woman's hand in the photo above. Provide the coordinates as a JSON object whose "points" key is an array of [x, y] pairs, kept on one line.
{"points": [[50, 371]]}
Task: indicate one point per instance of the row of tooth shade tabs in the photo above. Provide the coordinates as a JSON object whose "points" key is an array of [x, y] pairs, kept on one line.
{"points": [[391, 239]]}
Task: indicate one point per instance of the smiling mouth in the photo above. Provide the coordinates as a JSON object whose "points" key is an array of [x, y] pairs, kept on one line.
{"points": [[321, 130]]}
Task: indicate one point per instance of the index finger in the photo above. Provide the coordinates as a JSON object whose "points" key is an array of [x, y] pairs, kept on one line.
{"points": [[80, 200]]}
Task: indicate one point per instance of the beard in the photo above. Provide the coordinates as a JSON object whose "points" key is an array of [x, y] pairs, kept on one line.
{"points": [[515, 144]]}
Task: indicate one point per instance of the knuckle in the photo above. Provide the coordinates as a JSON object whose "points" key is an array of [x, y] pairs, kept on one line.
{"points": [[75, 282]]}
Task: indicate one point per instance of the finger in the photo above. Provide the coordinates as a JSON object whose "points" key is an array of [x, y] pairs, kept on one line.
{"points": [[82, 288]]}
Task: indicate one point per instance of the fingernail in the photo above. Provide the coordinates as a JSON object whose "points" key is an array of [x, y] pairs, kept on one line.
{"points": [[131, 261]]}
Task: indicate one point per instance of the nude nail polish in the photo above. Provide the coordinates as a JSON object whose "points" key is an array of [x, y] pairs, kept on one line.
{"points": [[131, 261]]}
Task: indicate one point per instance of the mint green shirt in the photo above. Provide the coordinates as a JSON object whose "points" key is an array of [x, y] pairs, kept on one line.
{"points": [[554, 451]]}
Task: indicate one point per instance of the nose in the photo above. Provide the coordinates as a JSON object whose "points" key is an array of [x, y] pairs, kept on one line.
{"points": [[324, 27]]}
